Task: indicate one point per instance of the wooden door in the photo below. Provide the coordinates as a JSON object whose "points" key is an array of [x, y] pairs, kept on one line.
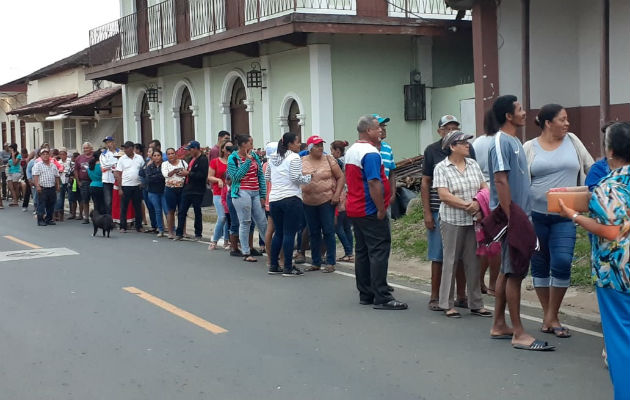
{"points": [[186, 119], [142, 26], [146, 129], [12, 132], [238, 110], [22, 134], [294, 121]]}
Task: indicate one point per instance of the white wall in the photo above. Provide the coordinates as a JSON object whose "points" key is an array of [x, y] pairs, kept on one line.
{"points": [[565, 37]]}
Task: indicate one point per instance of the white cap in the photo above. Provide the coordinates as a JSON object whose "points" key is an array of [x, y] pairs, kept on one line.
{"points": [[446, 120]]}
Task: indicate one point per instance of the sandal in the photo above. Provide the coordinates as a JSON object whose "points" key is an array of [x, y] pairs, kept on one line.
{"points": [[434, 305], [249, 258], [313, 268], [212, 246], [536, 345], [255, 252], [329, 269], [559, 331], [481, 312], [346, 259], [453, 314]]}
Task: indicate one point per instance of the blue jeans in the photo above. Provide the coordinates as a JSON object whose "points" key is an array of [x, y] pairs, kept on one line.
{"points": [[234, 225], [159, 204], [194, 200], [556, 236], [614, 308], [344, 233], [145, 197], [286, 220], [247, 206], [321, 220], [221, 227], [61, 197], [434, 240]]}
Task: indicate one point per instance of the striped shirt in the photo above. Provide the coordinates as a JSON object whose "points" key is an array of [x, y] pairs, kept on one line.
{"points": [[463, 185], [388, 157], [250, 180], [47, 174]]}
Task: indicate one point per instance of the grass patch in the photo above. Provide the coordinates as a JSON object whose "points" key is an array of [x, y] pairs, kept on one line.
{"points": [[409, 239], [409, 235]]}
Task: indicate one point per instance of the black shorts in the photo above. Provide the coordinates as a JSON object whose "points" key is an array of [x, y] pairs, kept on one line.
{"points": [[84, 191]]}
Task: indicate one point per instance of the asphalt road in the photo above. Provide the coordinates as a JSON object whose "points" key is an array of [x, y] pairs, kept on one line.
{"points": [[70, 330]]}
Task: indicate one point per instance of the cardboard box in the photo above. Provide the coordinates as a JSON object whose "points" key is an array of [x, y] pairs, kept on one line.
{"points": [[576, 198]]}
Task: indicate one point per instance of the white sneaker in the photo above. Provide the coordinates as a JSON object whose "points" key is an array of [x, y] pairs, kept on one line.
{"points": [[24, 209], [34, 212], [220, 243]]}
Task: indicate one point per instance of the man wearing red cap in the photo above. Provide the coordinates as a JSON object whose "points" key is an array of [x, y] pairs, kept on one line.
{"points": [[367, 202]]}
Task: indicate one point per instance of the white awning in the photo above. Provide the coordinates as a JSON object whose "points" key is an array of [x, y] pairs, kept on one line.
{"points": [[57, 117]]}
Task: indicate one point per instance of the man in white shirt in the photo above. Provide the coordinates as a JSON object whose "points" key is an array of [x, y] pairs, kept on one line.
{"points": [[127, 177], [108, 165]]}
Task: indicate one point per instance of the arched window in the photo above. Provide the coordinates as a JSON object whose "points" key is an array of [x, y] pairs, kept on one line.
{"points": [[186, 120], [238, 110], [146, 130], [293, 120]]}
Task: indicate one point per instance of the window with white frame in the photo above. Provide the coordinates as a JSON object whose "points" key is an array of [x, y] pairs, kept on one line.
{"points": [[70, 133], [49, 133]]}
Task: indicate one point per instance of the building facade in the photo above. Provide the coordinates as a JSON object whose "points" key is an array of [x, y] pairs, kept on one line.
{"points": [[320, 65]]}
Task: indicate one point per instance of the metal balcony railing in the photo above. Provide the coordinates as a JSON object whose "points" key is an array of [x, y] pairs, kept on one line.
{"points": [[260, 10], [207, 17], [430, 9], [162, 25], [114, 41]]}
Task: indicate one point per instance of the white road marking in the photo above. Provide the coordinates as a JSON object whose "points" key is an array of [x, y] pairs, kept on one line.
{"points": [[15, 255], [524, 316]]}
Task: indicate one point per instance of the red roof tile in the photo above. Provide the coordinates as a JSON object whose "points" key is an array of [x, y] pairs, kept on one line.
{"points": [[42, 106], [90, 98]]}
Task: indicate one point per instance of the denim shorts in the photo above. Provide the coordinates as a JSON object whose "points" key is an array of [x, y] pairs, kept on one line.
{"points": [[172, 197], [434, 240], [551, 265]]}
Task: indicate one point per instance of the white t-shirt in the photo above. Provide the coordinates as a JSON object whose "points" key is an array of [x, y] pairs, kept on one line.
{"points": [[175, 180], [130, 168]]}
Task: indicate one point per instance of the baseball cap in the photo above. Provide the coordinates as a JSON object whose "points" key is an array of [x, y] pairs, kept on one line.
{"points": [[108, 139], [454, 137], [193, 145], [381, 120], [314, 140], [447, 119], [271, 148]]}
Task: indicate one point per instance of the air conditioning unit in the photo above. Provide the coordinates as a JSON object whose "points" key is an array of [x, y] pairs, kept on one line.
{"points": [[460, 4]]}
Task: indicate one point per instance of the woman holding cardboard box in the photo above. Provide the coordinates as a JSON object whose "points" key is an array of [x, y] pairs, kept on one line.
{"points": [[609, 221], [556, 159]]}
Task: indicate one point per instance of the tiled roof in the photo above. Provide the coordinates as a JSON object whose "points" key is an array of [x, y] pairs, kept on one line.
{"points": [[42, 106], [90, 98]]}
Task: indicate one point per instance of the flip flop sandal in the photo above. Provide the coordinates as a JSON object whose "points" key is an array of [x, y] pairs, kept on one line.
{"points": [[453, 314], [313, 268], [559, 331], [503, 336], [481, 313], [255, 253], [434, 305], [329, 269], [536, 345], [249, 259]]}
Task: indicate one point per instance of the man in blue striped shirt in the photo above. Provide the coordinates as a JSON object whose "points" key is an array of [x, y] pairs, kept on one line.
{"points": [[387, 155]]}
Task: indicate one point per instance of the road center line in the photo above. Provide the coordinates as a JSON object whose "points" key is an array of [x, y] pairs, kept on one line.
{"points": [[524, 316], [200, 322], [22, 242]]}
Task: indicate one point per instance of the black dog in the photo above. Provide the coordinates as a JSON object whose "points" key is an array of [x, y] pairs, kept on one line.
{"points": [[103, 221]]}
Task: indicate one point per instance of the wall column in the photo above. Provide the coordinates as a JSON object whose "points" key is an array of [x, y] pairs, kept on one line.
{"points": [[486, 57], [322, 108], [604, 75]]}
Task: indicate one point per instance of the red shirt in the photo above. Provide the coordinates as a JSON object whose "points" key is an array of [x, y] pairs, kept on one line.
{"points": [[219, 172], [250, 180]]}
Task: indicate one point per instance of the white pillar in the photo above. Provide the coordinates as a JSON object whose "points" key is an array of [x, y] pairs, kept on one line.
{"points": [[227, 120], [176, 127], [321, 92], [210, 133], [125, 105], [266, 100], [162, 113]]}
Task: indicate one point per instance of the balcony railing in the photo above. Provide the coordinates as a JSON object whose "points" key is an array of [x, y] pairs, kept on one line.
{"points": [[260, 10], [114, 41], [429, 9], [162, 25]]}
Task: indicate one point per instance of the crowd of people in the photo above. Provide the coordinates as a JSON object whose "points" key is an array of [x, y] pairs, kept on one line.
{"points": [[484, 203]]}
